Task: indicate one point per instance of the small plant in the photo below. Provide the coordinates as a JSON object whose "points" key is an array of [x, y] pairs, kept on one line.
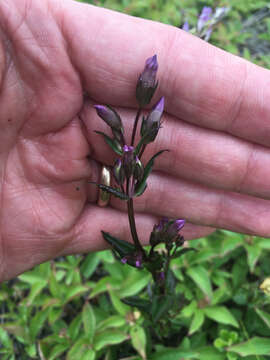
{"points": [[207, 20], [131, 176]]}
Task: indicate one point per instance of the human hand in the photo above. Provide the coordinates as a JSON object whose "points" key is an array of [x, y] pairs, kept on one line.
{"points": [[216, 128]]}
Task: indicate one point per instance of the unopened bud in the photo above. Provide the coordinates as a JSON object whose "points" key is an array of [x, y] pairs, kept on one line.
{"points": [[118, 172], [151, 125], [138, 170], [110, 117], [147, 84], [175, 227], [128, 160]]}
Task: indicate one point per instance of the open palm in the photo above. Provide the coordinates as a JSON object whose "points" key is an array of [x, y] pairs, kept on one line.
{"points": [[53, 52]]}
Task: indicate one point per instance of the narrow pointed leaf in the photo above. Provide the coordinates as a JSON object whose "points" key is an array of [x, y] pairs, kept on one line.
{"points": [[137, 302], [113, 191], [114, 145], [122, 247], [148, 168]]}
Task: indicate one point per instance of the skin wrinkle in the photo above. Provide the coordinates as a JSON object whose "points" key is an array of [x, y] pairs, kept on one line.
{"points": [[238, 103], [250, 157]]}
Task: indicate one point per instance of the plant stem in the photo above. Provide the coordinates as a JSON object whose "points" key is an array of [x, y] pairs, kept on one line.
{"points": [[142, 151], [132, 223], [135, 125]]}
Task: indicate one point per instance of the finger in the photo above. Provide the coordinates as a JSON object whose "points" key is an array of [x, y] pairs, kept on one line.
{"points": [[87, 234], [176, 198], [196, 154], [201, 83]]}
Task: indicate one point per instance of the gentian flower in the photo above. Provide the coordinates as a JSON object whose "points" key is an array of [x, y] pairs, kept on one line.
{"points": [[110, 117], [186, 26], [204, 17], [151, 125], [147, 83]]}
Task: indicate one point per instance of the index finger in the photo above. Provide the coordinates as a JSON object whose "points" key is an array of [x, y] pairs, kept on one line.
{"points": [[201, 83]]}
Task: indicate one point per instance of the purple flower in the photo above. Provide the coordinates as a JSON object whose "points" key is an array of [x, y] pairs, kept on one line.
{"points": [[110, 116], [186, 26], [124, 260], [147, 84], [204, 17], [151, 125]]}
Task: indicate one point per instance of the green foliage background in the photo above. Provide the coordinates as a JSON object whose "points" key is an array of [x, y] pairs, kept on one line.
{"points": [[71, 308]]}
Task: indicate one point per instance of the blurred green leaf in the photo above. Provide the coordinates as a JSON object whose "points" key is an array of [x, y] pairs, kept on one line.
{"points": [[89, 265], [138, 340], [37, 322], [221, 315], [264, 316], [108, 337], [254, 346], [201, 278], [114, 321], [197, 321], [89, 321]]}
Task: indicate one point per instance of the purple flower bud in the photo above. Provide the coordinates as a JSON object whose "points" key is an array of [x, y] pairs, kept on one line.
{"points": [[110, 117], [162, 275], [151, 125], [186, 26], [128, 160], [147, 84], [161, 225], [204, 17], [124, 260], [118, 172], [175, 227], [138, 263]]}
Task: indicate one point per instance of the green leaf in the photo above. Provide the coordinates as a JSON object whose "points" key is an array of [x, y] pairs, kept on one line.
{"points": [[253, 252], [254, 346], [108, 337], [201, 278], [138, 340], [264, 316], [37, 322], [113, 143], [5, 339], [78, 349], [89, 354], [174, 354], [89, 265], [111, 190], [74, 327], [58, 350], [221, 315], [197, 321], [122, 247], [136, 301], [119, 306], [139, 189], [134, 283], [74, 292], [89, 321], [113, 321], [160, 306]]}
